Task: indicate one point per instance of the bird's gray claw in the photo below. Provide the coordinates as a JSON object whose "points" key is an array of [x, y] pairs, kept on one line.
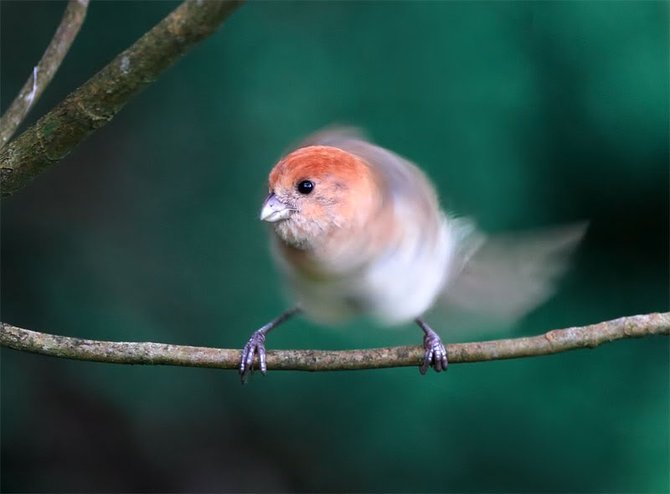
{"points": [[436, 353], [255, 346]]}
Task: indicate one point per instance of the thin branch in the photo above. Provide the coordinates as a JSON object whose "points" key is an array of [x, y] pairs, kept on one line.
{"points": [[96, 102], [555, 341], [43, 72]]}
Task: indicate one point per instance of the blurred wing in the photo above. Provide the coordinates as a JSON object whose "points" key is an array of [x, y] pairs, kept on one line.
{"points": [[503, 277], [334, 136]]}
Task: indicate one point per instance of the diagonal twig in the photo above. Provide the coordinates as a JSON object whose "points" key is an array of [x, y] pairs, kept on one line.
{"points": [[555, 341], [96, 102], [43, 72]]}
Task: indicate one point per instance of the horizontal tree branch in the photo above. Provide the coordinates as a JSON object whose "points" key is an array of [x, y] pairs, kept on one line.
{"points": [[555, 341], [96, 102], [43, 72]]}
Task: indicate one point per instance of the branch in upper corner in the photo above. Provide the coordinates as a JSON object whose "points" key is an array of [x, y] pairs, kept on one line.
{"points": [[96, 102], [43, 72], [555, 341]]}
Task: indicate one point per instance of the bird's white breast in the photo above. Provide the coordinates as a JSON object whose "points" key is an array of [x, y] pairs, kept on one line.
{"points": [[395, 287]]}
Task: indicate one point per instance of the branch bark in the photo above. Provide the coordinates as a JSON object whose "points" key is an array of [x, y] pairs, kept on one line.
{"points": [[43, 72], [555, 341], [96, 102]]}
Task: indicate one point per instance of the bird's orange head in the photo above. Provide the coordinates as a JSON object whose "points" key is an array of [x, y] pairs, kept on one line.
{"points": [[318, 192]]}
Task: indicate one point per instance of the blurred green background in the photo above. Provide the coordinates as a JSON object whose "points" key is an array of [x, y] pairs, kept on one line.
{"points": [[524, 114]]}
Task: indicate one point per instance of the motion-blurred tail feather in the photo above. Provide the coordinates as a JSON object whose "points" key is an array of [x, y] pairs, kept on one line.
{"points": [[508, 275]]}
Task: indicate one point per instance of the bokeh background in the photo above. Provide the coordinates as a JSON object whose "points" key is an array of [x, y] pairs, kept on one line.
{"points": [[524, 114]]}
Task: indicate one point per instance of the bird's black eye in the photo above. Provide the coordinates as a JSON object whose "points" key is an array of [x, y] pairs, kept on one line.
{"points": [[305, 187]]}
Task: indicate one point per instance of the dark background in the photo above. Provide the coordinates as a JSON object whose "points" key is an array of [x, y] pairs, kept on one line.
{"points": [[524, 114]]}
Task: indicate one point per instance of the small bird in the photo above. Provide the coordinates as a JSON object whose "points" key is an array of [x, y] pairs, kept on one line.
{"points": [[358, 230]]}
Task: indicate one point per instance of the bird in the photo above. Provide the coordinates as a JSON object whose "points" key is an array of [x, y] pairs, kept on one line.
{"points": [[358, 230]]}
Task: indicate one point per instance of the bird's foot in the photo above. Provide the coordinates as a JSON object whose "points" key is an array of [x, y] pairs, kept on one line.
{"points": [[436, 353], [255, 346]]}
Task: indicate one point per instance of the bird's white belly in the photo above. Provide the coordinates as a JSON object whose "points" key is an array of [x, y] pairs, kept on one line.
{"points": [[398, 287]]}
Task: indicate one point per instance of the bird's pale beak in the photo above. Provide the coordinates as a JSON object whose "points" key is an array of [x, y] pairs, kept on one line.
{"points": [[274, 210]]}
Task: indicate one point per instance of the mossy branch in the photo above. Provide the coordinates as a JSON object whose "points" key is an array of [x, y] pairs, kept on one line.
{"points": [[96, 102], [556, 341], [43, 72]]}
